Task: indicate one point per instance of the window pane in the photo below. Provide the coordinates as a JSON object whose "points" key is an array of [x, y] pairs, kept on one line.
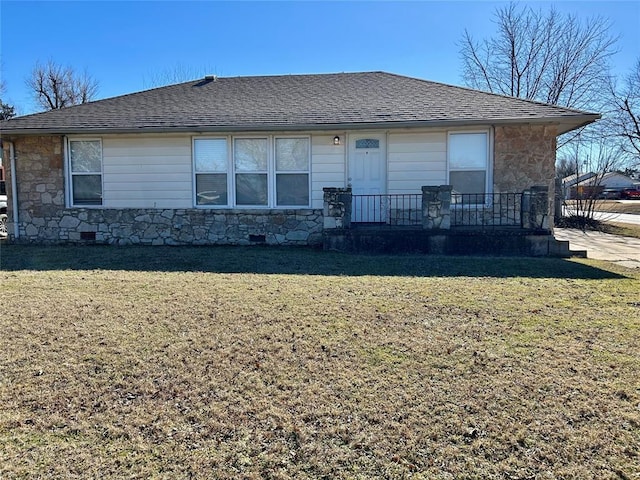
{"points": [[368, 143], [292, 189], [251, 189], [87, 190], [250, 154], [210, 154], [292, 154], [86, 156], [468, 150], [211, 189], [467, 182]]}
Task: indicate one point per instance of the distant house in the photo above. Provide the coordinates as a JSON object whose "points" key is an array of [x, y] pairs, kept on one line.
{"points": [[250, 159], [597, 184], [618, 181], [568, 183]]}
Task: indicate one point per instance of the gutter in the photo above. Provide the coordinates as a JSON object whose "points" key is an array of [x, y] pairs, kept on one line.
{"points": [[573, 121], [14, 191]]}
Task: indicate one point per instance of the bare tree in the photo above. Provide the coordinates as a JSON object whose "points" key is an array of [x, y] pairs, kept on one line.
{"points": [[6, 111], [55, 86], [625, 118], [548, 57], [179, 73], [565, 167], [590, 163]]}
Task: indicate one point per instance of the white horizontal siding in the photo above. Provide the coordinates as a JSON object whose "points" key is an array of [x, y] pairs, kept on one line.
{"points": [[427, 176], [156, 171], [416, 159], [327, 166], [147, 172]]}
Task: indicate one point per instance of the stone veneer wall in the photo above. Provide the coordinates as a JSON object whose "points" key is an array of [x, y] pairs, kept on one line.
{"points": [[39, 165], [524, 156], [178, 227], [43, 217]]}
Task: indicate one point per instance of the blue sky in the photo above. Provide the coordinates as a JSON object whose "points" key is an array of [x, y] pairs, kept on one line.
{"points": [[124, 44]]}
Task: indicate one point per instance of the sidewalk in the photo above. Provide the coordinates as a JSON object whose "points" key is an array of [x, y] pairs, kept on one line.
{"points": [[624, 251]]}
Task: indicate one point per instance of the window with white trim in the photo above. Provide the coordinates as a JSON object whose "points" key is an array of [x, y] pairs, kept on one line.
{"points": [[85, 167], [251, 162], [260, 171], [468, 162], [292, 171], [211, 162]]}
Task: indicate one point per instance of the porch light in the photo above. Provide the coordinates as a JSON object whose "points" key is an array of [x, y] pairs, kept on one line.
{"points": [[336, 140]]}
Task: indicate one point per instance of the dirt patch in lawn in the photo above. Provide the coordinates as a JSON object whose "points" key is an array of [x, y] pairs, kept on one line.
{"points": [[178, 374]]}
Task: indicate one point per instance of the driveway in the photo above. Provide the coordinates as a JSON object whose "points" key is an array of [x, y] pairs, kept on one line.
{"points": [[624, 251]]}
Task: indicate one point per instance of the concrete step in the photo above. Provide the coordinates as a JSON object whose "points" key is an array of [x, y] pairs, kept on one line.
{"points": [[561, 248]]}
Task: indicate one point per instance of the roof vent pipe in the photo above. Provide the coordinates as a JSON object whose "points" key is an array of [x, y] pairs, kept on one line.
{"points": [[210, 78]]}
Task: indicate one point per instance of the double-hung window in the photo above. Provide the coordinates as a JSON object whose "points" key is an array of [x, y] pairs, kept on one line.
{"points": [[211, 161], [468, 162], [251, 161], [292, 171], [85, 167]]}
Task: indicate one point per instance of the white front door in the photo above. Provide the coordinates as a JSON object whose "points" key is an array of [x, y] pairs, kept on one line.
{"points": [[367, 178]]}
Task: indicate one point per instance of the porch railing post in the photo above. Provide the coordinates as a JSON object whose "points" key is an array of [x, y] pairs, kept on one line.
{"points": [[535, 208], [436, 207], [337, 208]]}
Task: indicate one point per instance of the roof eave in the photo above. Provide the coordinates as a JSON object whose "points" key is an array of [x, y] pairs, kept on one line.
{"points": [[565, 124]]}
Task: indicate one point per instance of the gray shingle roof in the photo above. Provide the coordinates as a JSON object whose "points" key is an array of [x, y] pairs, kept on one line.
{"points": [[295, 102]]}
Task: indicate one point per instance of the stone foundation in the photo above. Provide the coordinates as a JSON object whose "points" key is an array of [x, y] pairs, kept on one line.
{"points": [[174, 227], [440, 242]]}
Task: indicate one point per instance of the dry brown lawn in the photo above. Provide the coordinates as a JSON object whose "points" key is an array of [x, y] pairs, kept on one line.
{"points": [[275, 363], [624, 229], [614, 206]]}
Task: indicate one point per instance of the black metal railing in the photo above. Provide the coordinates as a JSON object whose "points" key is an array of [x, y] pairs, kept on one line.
{"points": [[486, 210], [392, 209]]}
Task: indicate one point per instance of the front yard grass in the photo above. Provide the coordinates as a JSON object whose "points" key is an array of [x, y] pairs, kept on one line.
{"points": [[284, 363]]}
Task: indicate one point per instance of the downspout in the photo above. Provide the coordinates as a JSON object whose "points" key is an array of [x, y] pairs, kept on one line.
{"points": [[14, 191]]}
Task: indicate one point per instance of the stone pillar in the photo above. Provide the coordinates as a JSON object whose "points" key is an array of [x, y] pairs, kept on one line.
{"points": [[535, 208], [558, 200], [436, 207], [337, 208]]}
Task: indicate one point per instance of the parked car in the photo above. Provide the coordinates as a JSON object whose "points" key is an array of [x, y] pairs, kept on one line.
{"points": [[610, 194], [630, 194]]}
